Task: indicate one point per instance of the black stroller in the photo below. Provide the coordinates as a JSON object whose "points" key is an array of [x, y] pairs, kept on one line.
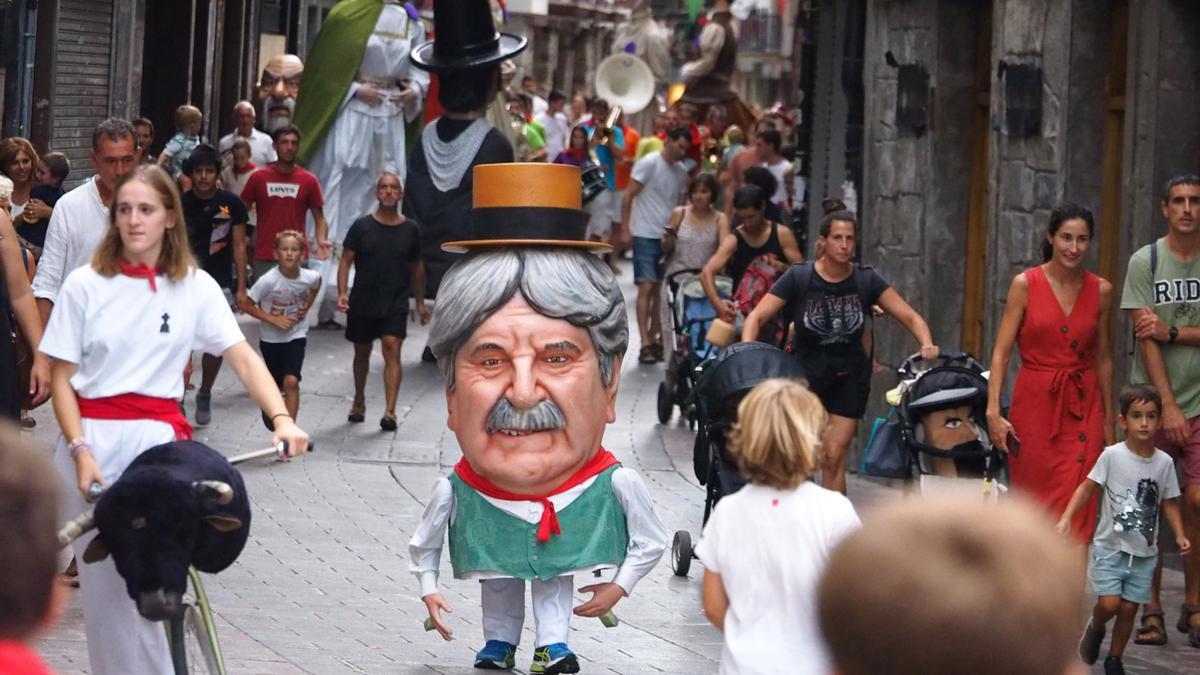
{"points": [[722, 384], [691, 316], [954, 384]]}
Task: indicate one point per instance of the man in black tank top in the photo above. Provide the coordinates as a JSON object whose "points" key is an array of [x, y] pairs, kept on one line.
{"points": [[754, 238]]}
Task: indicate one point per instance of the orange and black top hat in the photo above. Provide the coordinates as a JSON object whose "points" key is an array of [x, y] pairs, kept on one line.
{"points": [[526, 204]]}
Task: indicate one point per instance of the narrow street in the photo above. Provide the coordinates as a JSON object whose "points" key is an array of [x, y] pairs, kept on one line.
{"points": [[323, 586]]}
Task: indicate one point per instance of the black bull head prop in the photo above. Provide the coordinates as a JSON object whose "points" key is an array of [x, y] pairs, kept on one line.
{"points": [[177, 504]]}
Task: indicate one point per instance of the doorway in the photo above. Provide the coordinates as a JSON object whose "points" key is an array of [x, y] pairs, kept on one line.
{"points": [[975, 271]]}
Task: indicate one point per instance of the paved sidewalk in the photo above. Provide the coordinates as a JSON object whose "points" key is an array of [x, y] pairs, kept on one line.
{"points": [[323, 585]]}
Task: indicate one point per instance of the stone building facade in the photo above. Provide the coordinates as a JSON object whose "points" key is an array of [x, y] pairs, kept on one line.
{"points": [[978, 117]]}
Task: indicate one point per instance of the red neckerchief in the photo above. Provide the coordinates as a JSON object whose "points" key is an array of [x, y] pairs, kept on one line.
{"points": [[137, 407], [549, 524], [140, 271], [577, 154], [246, 169]]}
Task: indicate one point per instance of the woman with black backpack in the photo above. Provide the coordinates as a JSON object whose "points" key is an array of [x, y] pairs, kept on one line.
{"points": [[830, 302]]}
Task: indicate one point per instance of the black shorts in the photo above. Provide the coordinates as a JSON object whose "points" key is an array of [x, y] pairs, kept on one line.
{"points": [[362, 329], [283, 358], [842, 384]]}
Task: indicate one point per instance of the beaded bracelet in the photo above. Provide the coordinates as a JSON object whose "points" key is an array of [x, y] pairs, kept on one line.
{"points": [[78, 446]]}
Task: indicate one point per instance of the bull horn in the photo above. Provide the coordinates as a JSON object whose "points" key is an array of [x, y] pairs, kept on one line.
{"points": [[76, 528], [216, 488]]}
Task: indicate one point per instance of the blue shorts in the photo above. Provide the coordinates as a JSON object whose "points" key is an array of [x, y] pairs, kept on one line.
{"points": [[1112, 572], [647, 254]]}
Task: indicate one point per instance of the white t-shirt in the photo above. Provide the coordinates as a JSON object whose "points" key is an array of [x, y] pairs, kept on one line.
{"points": [[262, 149], [557, 128], [127, 338], [770, 547], [278, 295], [779, 170], [662, 183], [75, 230]]}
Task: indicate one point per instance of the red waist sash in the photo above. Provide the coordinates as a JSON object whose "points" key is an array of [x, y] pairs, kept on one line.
{"points": [[137, 407]]}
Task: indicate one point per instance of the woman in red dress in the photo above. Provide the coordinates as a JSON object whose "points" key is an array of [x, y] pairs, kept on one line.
{"points": [[1058, 314]]}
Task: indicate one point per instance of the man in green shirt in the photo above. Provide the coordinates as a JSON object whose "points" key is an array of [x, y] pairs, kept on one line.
{"points": [[1162, 294]]}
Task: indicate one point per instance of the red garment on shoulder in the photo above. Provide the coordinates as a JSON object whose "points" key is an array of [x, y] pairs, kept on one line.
{"points": [[16, 658], [549, 524]]}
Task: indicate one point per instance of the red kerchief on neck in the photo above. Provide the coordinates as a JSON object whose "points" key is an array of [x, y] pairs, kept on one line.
{"points": [[549, 523], [140, 271]]}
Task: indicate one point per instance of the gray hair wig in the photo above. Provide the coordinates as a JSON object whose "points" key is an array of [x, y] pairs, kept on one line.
{"points": [[560, 283]]}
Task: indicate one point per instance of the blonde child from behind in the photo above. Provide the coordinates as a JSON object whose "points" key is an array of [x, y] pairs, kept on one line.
{"points": [[281, 299], [1138, 481], [764, 547]]}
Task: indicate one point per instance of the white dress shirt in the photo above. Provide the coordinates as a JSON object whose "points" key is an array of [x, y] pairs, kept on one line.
{"points": [[647, 534], [76, 228], [262, 148]]}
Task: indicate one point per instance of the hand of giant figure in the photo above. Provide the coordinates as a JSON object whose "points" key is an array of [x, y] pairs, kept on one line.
{"points": [[361, 92], [530, 331]]}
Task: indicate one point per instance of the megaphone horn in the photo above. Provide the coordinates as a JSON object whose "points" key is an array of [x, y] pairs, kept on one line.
{"points": [[625, 81]]}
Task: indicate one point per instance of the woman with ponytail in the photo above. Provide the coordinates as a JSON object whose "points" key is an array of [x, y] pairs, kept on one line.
{"points": [[1058, 314]]}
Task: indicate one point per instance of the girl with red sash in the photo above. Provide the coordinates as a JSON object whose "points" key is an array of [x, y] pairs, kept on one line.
{"points": [[121, 332]]}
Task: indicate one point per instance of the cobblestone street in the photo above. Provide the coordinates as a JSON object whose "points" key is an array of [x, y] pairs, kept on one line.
{"points": [[323, 585]]}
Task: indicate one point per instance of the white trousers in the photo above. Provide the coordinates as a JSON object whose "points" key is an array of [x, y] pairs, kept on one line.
{"points": [[119, 640], [504, 609]]}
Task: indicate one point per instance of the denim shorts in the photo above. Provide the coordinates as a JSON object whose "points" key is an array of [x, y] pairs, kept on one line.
{"points": [[647, 254], [1113, 572]]}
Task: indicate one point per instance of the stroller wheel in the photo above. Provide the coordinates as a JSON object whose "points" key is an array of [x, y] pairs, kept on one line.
{"points": [[665, 402], [681, 553]]}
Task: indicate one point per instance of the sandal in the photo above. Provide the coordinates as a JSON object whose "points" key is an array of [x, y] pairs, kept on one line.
{"points": [[1152, 633], [28, 422], [646, 355], [1186, 612], [358, 413], [388, 421]]}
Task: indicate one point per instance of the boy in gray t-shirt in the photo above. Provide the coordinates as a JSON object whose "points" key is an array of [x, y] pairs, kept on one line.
{"points": [[1138, 480]]}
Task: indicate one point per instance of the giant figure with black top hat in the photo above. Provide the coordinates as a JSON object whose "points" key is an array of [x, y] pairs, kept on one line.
{"points": [[466, 53], [530, 331]]}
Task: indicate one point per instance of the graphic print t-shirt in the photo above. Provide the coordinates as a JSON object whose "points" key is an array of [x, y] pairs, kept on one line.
{"points": [[829, 317], [1134, 487], [282, 201], [210, 230], [278, 295], [1173, 290]]}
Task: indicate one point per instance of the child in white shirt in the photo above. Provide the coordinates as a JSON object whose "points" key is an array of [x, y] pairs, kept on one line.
{"points": [[281, 299], [764, 547]]}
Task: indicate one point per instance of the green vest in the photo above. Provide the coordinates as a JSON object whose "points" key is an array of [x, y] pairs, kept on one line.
{"points": [[485, 539]]}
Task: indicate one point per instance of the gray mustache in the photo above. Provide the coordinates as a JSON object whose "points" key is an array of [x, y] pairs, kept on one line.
{"points": [[542, 417]]}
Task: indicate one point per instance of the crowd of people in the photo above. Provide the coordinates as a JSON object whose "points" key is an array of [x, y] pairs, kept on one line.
{"points": [[90, 275]]}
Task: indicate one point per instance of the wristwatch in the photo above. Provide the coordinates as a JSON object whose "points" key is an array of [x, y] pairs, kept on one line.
{"points": [[1173, 335]]}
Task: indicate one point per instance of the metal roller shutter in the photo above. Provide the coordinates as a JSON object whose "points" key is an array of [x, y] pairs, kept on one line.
{"points": [[81, 77]]}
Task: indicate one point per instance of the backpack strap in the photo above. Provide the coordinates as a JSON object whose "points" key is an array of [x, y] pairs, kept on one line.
{"points": [[862, 280], [1153, 273]]}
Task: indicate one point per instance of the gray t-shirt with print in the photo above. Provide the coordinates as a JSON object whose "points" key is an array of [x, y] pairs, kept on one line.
{"points": [[1134, 488], [1173, 290]]}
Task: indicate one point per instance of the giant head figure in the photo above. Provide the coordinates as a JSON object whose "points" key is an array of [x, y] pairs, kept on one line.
{"points": [[278, 87], [530, 331]]}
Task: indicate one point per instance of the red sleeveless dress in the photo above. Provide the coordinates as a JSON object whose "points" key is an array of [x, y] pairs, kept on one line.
{"points": [[1057, 411]]}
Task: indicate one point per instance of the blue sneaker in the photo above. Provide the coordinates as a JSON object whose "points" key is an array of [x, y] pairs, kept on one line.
{"points": [[553, 659], [496, 655]]}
